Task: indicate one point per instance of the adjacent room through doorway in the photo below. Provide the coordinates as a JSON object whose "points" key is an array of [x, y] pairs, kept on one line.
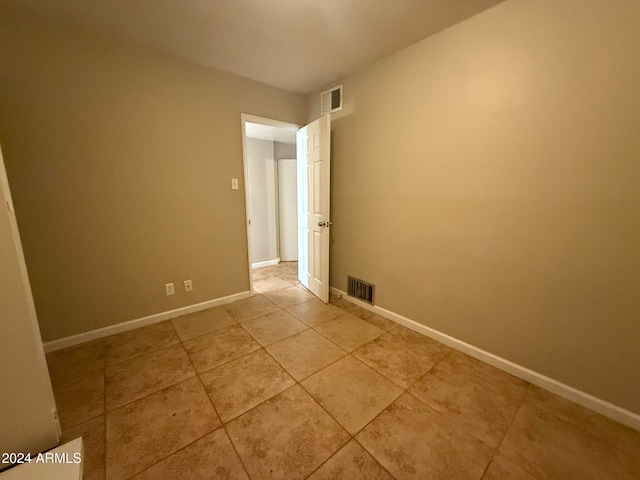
{"points": [[271, 182]]}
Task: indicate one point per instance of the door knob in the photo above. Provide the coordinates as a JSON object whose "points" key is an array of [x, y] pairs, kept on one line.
{"points": [[324, 224]]}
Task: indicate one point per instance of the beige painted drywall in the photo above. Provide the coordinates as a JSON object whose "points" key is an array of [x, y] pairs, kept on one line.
{"points": [[120, 162], [27, 421], [487, 181]]}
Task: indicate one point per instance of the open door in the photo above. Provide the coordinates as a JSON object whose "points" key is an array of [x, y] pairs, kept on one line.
{"points": [[313, 143], [28, 420]]}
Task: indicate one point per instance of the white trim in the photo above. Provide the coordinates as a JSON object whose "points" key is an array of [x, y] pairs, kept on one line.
{"points": [[65, 342], [587, 400], [247, 200], [266, 263]]}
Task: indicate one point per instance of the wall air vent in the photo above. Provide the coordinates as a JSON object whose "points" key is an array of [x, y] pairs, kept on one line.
{"points": [[331, 100], [360, 289]]}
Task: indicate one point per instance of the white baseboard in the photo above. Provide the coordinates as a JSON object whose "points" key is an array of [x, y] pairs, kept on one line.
{"points": [[65, 342], [266, 263], [603, 407]]}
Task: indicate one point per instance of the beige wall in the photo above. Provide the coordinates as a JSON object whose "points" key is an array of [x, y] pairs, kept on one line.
{"points": [[120, 163], [499, 163]]}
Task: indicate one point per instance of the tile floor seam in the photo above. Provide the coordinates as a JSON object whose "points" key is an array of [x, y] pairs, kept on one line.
{"points": [[283, 367], [376, 416], [158, 390], [370, 453], [523, 401], [256, 295], [206, 333], [486, 468], [325, 410], [459, 422], [233, 445], [228, 361], [257, 405], [109, 364], [202, 384], [350, 437], [57, 382], [372, 369], [384, 375], [552, 412], [511, 459], [318, 371], [75, 378], [327, 338], [496, 449], [222, 424], [104, 401], [332, 341], [380, 413], [167, 456], [69, 427], [171, 454], [584, 431], [381, 373], [279, 340], [328, 413], [343, 446], [483, 378], [150, 393], [148, 352]]}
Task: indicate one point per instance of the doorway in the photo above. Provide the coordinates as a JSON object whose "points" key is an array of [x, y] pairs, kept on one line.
{"points": [[271, 199]]}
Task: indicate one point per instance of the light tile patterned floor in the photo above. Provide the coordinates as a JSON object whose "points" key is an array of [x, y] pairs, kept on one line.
{"points": [[281, 386]]}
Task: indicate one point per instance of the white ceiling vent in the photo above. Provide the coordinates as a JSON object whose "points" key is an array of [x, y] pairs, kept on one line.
{"points": [[331, 100]]}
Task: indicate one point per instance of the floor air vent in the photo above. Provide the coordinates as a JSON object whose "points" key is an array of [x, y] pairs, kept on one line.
{"points": [[360, 289]]}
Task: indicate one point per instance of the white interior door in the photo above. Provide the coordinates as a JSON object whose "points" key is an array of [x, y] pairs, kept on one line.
{"points": [[314, 142], [28, 421]]}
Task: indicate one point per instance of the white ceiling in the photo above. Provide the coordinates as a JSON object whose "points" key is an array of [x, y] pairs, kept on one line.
{"points": [[296, 45], [266, 132]]}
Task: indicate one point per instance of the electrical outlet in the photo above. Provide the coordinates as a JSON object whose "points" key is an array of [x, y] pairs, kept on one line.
{"points": [[188, 286], [168, 289]]}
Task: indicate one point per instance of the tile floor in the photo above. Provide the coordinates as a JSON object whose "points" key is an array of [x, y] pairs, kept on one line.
{"points": [[282, 386]]}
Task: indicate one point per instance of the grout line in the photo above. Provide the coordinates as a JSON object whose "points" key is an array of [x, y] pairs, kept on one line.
{"points": [[324, 367], [222, 424], [233, 445], [195, 373], [371, 454], [263, 401], [330, 416], [208, 398]]}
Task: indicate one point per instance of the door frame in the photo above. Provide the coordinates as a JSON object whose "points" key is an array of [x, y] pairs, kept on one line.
{"points": [[246, 117]]}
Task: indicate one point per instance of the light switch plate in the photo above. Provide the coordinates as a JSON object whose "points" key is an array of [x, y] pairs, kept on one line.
{"points": [[234, 184]]}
